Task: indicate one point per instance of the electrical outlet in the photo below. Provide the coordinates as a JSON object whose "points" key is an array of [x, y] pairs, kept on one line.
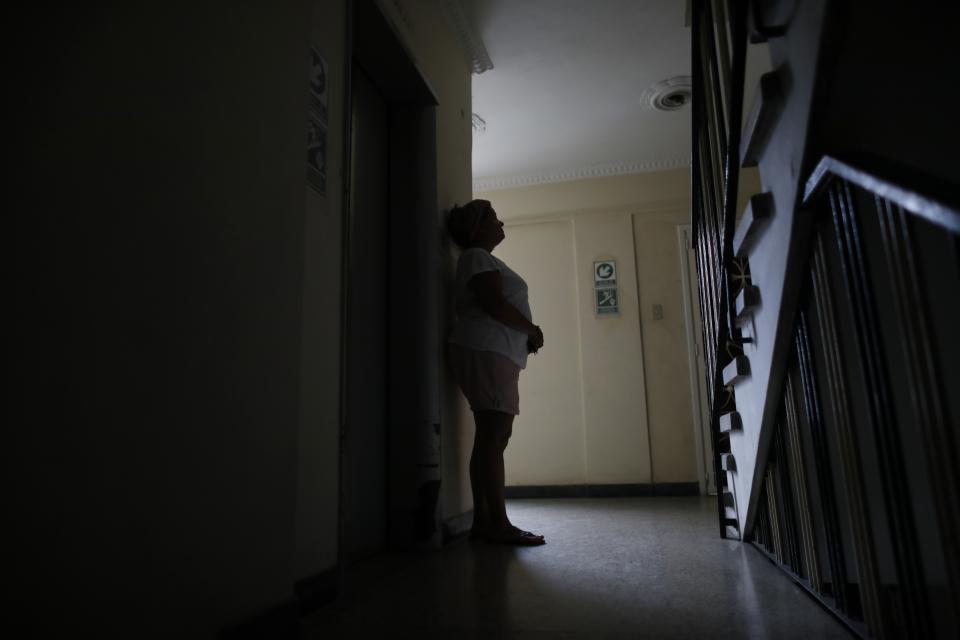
{"points": [[658, 312]]}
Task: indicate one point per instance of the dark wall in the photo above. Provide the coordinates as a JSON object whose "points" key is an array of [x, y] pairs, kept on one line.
{"points": [[891, 89], [158, 268]]}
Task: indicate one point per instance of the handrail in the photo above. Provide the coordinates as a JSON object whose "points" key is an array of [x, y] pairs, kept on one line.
{"points": [[886, 180]]}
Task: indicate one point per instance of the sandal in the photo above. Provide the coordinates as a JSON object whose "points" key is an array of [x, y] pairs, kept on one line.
{"points": [[520, 539]]}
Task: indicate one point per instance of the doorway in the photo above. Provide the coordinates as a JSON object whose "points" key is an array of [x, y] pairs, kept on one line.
{"points": [[698, 373]]}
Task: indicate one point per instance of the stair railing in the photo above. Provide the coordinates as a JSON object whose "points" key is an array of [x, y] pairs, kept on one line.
{"points": [[719, 39], [861, 495]]}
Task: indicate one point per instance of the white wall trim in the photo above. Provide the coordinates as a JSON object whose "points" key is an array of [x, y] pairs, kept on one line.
{"points": [[511, 181], [467, 35], [664, 210]]}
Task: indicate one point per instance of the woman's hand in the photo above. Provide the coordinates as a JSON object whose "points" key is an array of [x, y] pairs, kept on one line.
{"points": [[535, 340]]}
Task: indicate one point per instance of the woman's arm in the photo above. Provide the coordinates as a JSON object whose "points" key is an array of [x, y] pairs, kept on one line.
{"points": [[488, 288]]}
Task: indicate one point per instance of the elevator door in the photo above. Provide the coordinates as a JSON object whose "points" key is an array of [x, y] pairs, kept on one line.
{"points": [[366, 437]]}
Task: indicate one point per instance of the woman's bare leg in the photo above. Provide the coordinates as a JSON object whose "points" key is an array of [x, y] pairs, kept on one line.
{"points": [[487, 478], [481, 514], [486, 471], [493, 432]]}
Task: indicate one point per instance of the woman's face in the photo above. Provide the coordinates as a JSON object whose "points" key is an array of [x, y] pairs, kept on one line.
{"points": [[490, 232]]}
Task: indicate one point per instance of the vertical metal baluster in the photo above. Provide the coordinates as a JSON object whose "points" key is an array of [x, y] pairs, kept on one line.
{"points": [[882, 415], [721, 14], [732, 151], [807, 539], [705, 189], [716, 150], [925, 386], [835, 553], [774, 512]]}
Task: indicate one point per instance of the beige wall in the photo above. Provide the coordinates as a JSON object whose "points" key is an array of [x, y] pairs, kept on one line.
{"points": [[628, 374], [548, 448], [615, 415]]}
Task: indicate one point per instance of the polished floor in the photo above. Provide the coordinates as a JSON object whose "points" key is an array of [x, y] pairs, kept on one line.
{"points": [[612, 568]]}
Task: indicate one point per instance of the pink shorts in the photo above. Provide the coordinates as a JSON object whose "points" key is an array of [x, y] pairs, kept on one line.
{"points": [[488, 380]]}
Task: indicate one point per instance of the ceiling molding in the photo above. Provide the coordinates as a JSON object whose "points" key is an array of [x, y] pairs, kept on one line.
{"points": [[666, 210], [467, 35], [495, 183]]}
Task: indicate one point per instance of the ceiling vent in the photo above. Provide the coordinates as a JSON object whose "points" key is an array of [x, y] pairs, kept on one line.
{"points": [[669, 95]]}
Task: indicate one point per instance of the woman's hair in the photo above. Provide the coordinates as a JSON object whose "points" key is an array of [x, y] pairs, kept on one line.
{"points": [[463, 221]]}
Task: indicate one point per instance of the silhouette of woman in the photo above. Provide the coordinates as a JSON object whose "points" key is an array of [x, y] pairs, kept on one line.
{"points": [[489, 345]]}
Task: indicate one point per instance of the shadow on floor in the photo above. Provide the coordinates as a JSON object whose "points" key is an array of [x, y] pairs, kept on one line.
{"points": [[611, 568]]}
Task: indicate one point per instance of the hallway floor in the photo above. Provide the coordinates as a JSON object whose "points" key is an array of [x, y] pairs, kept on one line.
{"points": [[611, 568]]}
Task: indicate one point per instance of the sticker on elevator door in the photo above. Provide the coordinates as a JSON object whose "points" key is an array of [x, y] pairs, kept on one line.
{"points": [[607, 301], [318, 85], [317, 155]]}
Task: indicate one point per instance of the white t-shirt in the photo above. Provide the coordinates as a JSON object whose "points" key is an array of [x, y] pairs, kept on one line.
{"points": [[476, 329]]}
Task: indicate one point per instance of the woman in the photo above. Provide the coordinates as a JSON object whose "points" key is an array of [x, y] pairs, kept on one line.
{"points": [[488, 348]]}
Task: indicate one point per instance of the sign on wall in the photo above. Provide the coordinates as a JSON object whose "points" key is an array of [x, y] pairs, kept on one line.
{"points": [[605, 274], [605, 286], [607, 301]]}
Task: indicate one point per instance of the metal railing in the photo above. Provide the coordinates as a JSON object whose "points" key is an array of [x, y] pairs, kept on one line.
{"points": [[861, 494], [719, 39]]}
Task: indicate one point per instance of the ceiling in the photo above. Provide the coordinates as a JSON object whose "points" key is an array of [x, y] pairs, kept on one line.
{"points": [[563, 99]]}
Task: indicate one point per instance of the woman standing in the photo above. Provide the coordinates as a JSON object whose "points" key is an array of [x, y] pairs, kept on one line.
{"points": [[488, 347]]}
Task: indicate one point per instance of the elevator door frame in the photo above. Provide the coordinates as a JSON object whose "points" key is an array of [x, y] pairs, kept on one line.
{"points": [[412, 453]]}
